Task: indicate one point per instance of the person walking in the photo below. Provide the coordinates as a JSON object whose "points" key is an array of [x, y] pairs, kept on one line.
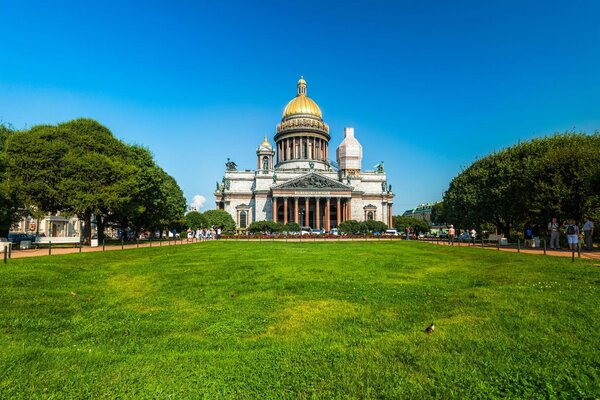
{"points": [[473, 235], [572, 235], [528, 235], [588, 233], [451, 234], [554, 231]]}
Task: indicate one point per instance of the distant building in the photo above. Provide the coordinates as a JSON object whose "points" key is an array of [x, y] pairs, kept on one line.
{"points": [[295, 180], [422, 212], [50, 225]]}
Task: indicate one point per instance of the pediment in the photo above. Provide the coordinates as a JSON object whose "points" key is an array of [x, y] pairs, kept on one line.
{"points": [[313, 181]]}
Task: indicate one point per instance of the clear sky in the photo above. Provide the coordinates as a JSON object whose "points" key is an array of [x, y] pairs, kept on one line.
{"points": [[428, 85]]}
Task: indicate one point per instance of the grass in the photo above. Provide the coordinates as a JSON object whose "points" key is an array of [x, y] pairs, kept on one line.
{"points": [[300, 320]]}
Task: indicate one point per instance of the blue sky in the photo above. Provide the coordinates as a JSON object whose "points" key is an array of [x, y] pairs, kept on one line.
{"points": [[428, 85]]}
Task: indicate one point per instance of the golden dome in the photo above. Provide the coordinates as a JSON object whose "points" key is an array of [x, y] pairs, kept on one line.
{"points": [[302, 104], [265, 143]]}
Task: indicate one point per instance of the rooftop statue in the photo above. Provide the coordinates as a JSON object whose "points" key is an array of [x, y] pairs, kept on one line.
{"points": [[230, 165]]}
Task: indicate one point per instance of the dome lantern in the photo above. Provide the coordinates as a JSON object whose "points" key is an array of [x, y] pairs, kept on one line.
{"points": [[301, 87]]}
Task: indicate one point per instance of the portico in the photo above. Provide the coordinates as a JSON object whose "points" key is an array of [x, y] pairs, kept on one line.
{"points": [[316, 211], [312, 200]]}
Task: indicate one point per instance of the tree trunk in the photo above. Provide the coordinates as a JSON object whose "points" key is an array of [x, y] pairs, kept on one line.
{"points": [[100, 228], [87, 229]]}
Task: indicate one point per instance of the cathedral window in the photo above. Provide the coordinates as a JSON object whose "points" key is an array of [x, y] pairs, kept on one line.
{"points": [[243, 219]]}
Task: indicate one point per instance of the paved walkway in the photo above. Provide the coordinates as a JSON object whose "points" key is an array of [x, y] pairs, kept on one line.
{"points": [[595, 255]]}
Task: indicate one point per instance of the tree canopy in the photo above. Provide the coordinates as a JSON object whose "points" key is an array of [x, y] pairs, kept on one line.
{"points": [[220, 218], [415, 225], [531, 181], [79, 167]]}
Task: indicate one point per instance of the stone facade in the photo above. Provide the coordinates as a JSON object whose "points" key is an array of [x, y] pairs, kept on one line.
{"points": [[296, 182]]}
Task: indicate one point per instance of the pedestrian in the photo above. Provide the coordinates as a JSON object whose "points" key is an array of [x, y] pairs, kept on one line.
{"points": [[536, 235], [218, 233], [451, 233], [473, 235], [588, 233], [572, 234], [407, 232], [554, 231], [528, 235]]}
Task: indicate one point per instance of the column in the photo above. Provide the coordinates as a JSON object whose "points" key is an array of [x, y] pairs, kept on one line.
{"points": [[339, 214], [317, 213], [306, 215], [349, 210], [295, 209], [285, 210], [274, 209], [390, 216], [328, 215]]}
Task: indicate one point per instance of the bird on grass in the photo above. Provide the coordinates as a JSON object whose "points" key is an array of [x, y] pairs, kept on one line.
{"points": [[430, 328]]}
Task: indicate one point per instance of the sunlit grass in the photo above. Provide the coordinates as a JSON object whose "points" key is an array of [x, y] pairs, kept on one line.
{"points": [[299, 320]]}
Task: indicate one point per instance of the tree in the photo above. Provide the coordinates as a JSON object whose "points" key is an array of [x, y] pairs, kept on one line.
{"points": [[265, 227], [438, 216], [195, 220], [415, 225], [291, 227], [35, 164], [220, 218], [98, 175], [352, 227], [531, 181], [10, 200], [375, 226]]}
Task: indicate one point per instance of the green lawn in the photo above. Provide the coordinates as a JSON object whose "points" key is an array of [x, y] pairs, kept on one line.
{"points": [[300, 320]]}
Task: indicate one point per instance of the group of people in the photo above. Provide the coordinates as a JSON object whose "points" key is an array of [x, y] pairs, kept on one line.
{"points": [[572, 231], [205, 234], [465, 235], [532, 232]]}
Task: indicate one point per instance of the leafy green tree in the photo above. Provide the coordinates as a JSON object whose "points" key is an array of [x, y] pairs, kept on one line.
{"points": [[220, 218], [438, 216], [352, 227], [375, 226], [291, 227], [415, 225], [10, 200], [195, 220], [98, 175], [531, 181], [34, 161], [265, 227], [171, 204]]}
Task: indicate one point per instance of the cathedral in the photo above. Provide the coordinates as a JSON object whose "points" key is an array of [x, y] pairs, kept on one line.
{"points": [[296, 181]]}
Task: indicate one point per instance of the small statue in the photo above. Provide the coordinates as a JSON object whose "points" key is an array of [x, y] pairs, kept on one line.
{"points": [[218, 185], [226, 183], [390, 189], [230, 165], [311, 165], [349, 179], [379, 168], [274, 178], [383, 186]]}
